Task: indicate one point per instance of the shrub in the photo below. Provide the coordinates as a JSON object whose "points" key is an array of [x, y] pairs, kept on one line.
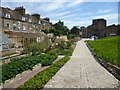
{"points": [[15, 67], [39, 80]]}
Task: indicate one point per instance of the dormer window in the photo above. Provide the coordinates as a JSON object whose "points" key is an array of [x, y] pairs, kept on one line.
{"points": [[7, 15], [23, 18], [30, 20]]}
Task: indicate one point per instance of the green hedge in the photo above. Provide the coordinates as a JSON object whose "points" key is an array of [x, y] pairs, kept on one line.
{"points": [[19, 65], [39, 80]]}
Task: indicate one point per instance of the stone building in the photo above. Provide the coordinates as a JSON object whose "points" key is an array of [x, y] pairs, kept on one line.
{"points": [[21, 27], [99, 29], [112, 30]]}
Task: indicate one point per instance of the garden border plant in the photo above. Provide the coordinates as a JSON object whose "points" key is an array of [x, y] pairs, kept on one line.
{"points": [[17, 66], [39, 80]]}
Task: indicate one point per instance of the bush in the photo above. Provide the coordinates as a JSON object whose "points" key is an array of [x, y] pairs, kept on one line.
{"points": [[71, 36], [15, 67], [39, 80]]}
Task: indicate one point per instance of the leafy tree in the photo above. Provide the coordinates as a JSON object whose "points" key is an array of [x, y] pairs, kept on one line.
{"points": [[71, 36], [55, 32], [75, 30], [62, 29]]}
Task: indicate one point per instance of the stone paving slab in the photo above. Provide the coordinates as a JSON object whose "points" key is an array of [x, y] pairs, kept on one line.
{"points": [[82, 71]]}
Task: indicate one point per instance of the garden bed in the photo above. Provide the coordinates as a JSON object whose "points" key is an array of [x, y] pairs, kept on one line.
{"points": [[39, 80], [18, 65], [26, 75]]}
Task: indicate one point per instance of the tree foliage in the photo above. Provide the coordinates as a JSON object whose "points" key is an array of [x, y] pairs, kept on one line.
{"points": [[61, 27], [75, 30]]}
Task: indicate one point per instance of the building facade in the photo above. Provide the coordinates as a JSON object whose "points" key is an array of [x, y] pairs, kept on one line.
{"points": [[21, 27], [99, 29]]}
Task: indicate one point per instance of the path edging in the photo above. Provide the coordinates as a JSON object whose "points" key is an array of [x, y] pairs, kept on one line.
{"points": [[114, 70]]}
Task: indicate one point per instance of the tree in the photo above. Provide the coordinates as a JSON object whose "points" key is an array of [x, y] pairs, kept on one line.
{"points": [[62, 29], [55, 32], [75, 30]]}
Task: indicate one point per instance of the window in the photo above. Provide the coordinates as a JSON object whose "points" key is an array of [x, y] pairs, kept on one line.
{"points": [[18, 28], [24, 27], [14, 28], [23, 18], [18, 23], [7, 15], [7, 25], [14, 23], [30, 20], [39, 22]]}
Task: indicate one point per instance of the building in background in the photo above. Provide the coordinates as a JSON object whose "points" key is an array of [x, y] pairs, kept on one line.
{"points": [[99, 29], [21, 27]]}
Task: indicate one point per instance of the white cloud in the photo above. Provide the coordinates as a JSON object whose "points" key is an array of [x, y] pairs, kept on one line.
{"points": [[75, 2], [57, 14], [67, 16], [104, 11], [70, 23], [59, 0], [51, 6], [107, 16]]}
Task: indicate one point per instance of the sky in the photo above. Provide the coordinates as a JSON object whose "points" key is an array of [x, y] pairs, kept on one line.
{"points": [[73, 13]]}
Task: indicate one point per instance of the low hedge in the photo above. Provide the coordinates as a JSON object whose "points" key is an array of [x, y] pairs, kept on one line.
{"points": [[39, 80], [18, 65]]}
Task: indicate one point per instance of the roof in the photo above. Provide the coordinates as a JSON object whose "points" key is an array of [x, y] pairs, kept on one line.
{"points": [[5, 40], [26, 34], [15, 15]]}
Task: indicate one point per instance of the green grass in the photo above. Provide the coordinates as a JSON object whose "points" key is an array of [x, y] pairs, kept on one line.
{"points": [[107, 49], [67, 52], [39, 80]]}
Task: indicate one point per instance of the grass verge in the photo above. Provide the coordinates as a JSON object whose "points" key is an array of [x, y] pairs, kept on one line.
{"points": [[107, 49], [39, 80]]}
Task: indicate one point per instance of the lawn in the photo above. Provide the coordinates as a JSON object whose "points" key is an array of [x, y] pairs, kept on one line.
{"points": [[107, 49]]}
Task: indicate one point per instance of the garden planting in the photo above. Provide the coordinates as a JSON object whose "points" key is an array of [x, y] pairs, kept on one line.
{"points": [[18, 65], [39, 80]]}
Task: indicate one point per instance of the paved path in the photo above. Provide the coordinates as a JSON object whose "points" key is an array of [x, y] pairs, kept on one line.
{"points": [[82, 71]]}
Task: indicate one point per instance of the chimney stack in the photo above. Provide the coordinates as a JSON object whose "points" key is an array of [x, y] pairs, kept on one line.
{"points": [[20, 9]]}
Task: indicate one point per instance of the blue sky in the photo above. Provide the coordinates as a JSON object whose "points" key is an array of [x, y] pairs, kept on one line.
{"points": [[73, 13]]}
